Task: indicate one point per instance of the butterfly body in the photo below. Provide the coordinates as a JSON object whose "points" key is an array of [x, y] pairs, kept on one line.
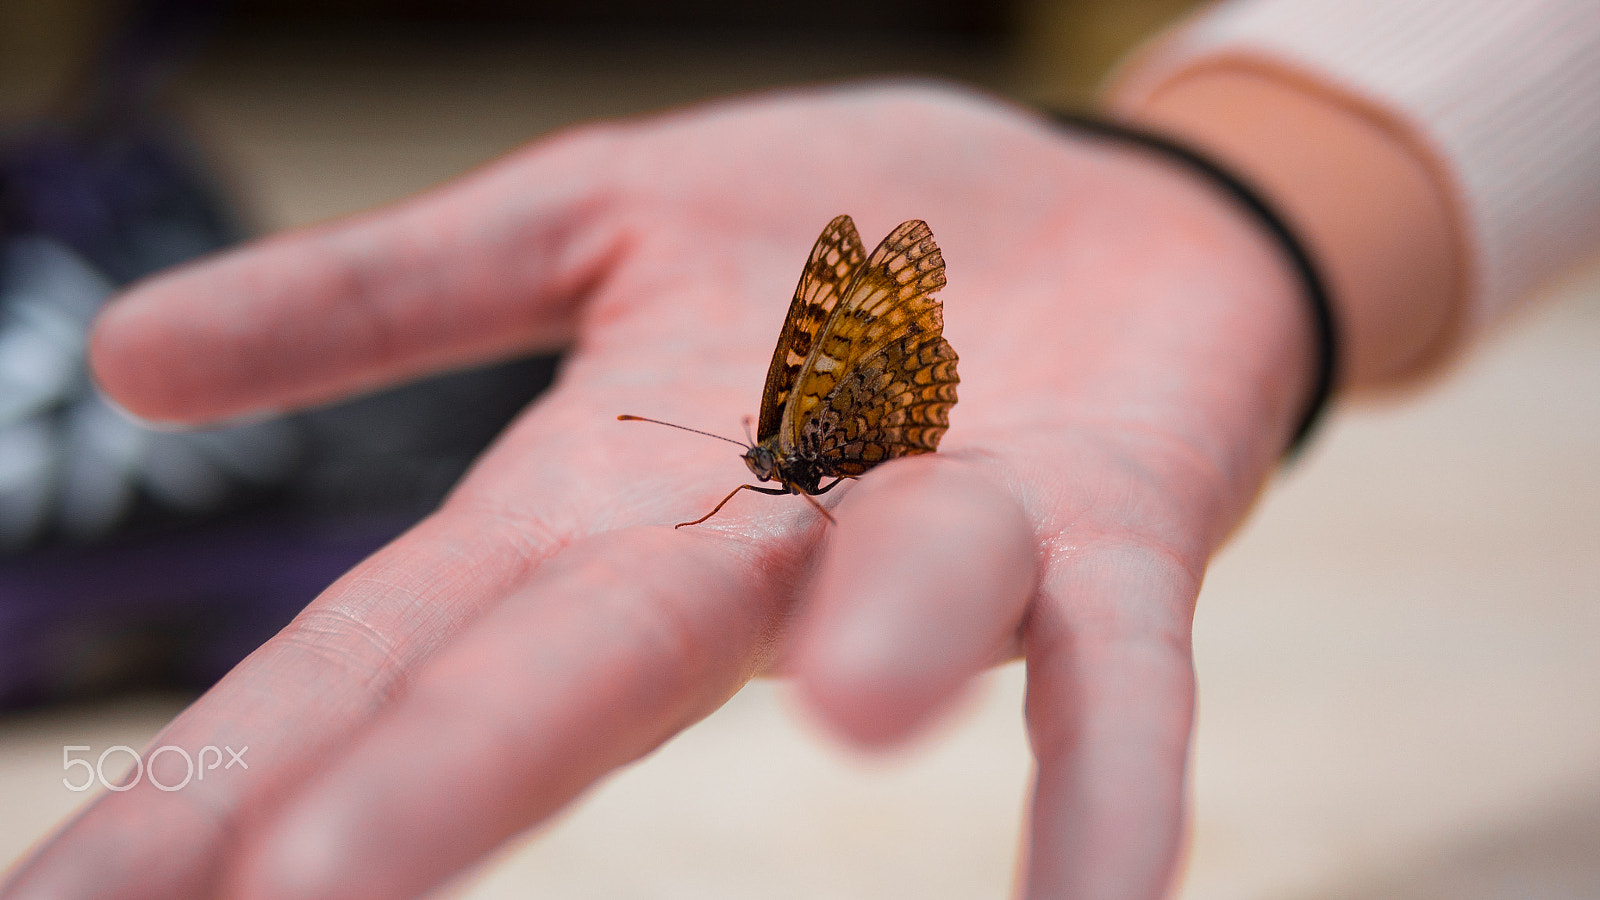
{"points": [[797, 473], [862, 373]]}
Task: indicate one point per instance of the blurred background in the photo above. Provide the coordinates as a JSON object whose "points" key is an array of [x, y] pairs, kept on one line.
{"points": [[1400, 683]]}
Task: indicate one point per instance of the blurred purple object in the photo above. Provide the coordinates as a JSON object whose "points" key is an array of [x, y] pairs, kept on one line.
{"points": [[173, 610], [131, 557]]}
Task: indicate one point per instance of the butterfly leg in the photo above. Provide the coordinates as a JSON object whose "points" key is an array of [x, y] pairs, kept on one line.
{"points": [[742, 487], [831, 485], [813, 501]]}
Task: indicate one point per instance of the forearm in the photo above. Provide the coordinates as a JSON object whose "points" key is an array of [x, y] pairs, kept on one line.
{"points": [[1436, 155], [1370, 209]]}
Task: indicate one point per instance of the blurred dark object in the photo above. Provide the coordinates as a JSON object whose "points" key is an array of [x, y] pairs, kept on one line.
{"points": [[1066, 48], [131, 557]]}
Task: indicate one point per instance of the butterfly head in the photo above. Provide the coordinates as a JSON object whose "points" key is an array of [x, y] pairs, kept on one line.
{"points": [[762, 461]]}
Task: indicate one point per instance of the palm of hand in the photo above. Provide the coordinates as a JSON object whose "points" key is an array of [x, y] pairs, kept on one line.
{"points": [[1110, 431]]}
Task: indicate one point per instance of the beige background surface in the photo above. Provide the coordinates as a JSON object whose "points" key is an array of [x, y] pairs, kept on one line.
{"points": [[1399, 656]]}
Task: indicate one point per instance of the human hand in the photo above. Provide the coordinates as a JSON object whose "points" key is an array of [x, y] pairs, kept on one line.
{"points": [[1133, 357]]}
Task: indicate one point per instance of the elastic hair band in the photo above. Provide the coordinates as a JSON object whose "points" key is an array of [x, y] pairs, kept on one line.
{"points": [[1316, 294]]}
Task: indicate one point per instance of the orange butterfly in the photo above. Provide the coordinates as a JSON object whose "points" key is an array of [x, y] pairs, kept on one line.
{"points": [[862, 372]]}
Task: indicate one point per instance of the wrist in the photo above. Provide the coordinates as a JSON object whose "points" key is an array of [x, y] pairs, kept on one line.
{"points": [[1245, 198], [1373, 212], [1197, 296]]}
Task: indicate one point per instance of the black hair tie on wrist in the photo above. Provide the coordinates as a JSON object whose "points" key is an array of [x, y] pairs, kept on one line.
{"points": [[1316, 294]]}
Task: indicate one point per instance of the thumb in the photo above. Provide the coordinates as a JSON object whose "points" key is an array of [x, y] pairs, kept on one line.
{"points": [[491, 264]]}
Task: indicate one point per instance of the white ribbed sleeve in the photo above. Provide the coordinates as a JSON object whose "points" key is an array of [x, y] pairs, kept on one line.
{"points": [[1505, 93]]}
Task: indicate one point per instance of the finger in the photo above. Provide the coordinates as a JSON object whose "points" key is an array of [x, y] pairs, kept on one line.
{"points": [[620, 642], [1110, 708], [923, 586], [483, 267], [294, 700]]}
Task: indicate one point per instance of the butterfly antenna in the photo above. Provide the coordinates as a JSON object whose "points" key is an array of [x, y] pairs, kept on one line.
{"points": [[628, 418], [747, 420]]}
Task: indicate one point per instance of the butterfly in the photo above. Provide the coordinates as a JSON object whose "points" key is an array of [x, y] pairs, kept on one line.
{"points": [[861, 374]]}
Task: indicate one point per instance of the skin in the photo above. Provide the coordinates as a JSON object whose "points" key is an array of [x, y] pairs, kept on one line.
{"points": [[1374, 205], [1134, 353]]}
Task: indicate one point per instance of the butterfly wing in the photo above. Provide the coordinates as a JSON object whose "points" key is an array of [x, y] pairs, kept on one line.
{"points": [[834, 260], [895, 402], [889, 301]]}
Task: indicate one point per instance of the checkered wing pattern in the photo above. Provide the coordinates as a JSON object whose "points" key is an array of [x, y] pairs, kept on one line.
{"points": [[835, 258], [881, 379]]}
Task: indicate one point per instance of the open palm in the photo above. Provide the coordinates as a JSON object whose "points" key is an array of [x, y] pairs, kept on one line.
{"points": [[1132, 361]]}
